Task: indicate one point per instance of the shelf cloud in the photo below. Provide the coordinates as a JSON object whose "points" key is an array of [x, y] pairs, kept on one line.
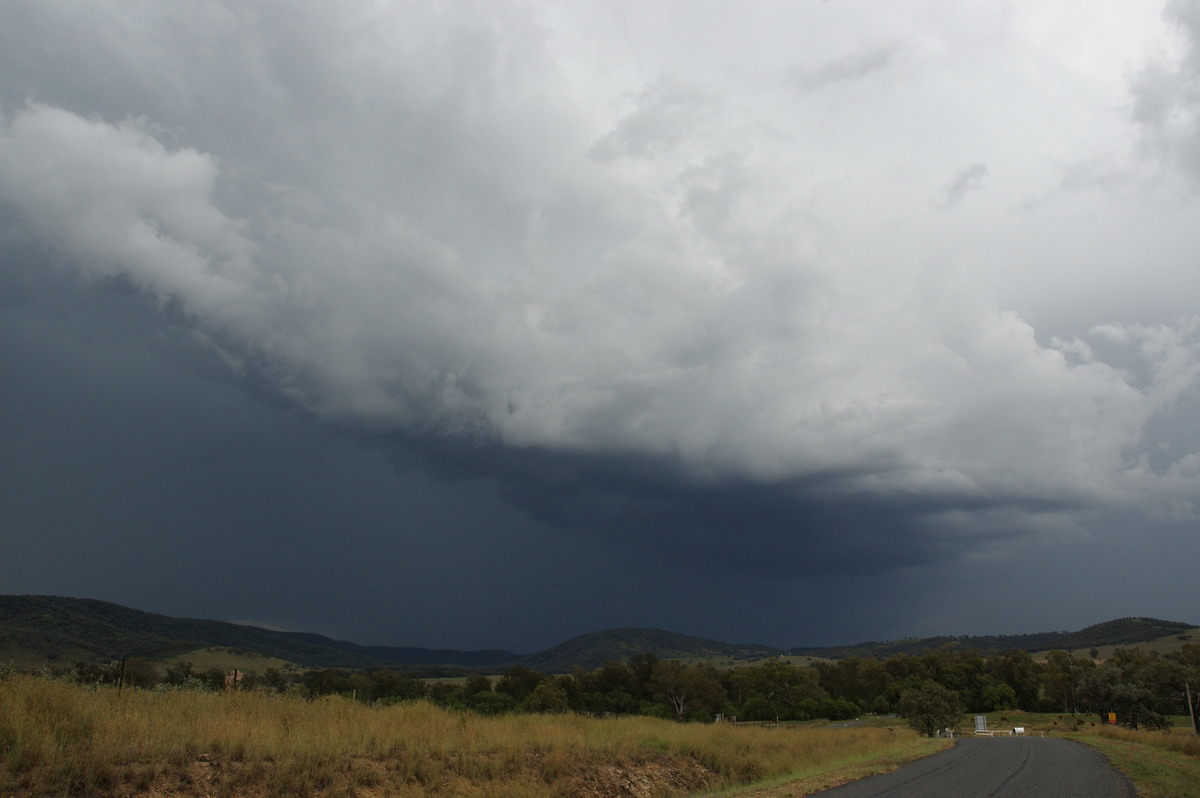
{"points": [[650, 296]]}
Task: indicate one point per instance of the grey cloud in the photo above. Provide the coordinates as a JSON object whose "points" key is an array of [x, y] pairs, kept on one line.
{"points": [[395, 318], [665, 113], [701, 320], [1166, 97], [844, 70], [969, 178]]}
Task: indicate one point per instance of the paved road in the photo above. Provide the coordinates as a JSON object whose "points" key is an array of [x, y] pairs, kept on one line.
{"points": [[1000, 767]]}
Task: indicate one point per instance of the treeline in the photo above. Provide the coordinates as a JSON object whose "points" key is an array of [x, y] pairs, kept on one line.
{"points": [[1143, 689]]}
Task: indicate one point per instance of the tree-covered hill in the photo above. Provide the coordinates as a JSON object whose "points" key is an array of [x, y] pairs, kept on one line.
{"points": [[56, 628], [617, 645], [50, 629], [1123, 631]]}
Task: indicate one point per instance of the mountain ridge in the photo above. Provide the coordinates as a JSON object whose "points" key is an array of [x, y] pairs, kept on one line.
{"points": [[1118, 631], [57, 629]]}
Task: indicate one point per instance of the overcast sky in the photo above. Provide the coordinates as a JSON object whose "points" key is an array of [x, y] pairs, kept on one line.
{"points": [[487, 324]]}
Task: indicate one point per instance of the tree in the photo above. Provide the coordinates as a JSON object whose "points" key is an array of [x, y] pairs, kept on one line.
{"points": [[1060, 678], [548, 697], [491, 703], [687, 690], [1107, 689], [274, 679], [137, 672], [998, 696], [930, 708], [774, 689], [477, 683], [181, 675], [518, 683]]}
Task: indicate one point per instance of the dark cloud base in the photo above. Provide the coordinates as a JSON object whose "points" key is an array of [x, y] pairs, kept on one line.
{"points": [[136, 468], [790, 529]]}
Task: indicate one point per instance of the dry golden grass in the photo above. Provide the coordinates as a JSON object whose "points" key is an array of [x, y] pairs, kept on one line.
{"points": [[57, 738], [1181, 741], [227, 659]]}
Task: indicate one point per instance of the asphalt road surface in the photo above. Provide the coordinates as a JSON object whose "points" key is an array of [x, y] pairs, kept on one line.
{"points": [[999, 767]]}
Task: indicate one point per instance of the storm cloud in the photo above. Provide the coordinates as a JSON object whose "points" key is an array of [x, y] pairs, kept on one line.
{"points": [[619, 285]]}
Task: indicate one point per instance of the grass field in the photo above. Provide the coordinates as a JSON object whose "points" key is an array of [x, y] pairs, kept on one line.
{"points": [[1167, 644], [227, 659], [58, 738]]}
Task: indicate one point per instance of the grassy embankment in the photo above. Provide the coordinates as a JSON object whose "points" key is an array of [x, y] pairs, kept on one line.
{"points": [[1160, 764], [58, 738]]}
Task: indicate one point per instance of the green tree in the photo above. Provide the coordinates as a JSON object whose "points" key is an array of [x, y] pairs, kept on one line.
{"points": [[930, 708], [1060, 677], [548, 697], [774, 689], [140, 673], [998, 697], [274, 679], [447, 694], [389, 686], [696, 690], [518, 683], [477, 683], [314, 683], [1108, 688], [181, 675], [491, 703]]}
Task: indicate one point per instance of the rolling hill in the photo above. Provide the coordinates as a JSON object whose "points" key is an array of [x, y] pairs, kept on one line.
{"points": [[594, 649], [58, 629], [1122, 631], [37, 630]]}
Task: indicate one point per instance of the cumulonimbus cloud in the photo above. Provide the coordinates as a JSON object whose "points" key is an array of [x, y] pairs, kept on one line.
{"points": [[475, 262]]}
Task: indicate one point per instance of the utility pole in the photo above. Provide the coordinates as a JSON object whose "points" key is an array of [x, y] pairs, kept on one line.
{"points": [[1191, 708]]}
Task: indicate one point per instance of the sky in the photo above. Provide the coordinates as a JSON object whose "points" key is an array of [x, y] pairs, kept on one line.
{"points": [[489, 324]]}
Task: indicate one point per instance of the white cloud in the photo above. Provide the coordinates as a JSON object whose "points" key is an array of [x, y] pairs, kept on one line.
{"points": [[1166, 94], [414, 221]]}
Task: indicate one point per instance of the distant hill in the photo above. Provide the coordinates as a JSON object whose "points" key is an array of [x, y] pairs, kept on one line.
{"points": [[594, 649], [1123, 631], [53, 629]]}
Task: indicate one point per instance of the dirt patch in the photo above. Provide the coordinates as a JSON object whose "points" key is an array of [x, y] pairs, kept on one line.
{"points": [[211, 777], [641, 779]]}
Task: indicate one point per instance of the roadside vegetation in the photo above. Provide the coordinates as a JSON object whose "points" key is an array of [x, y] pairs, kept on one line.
{"points": [[1141, 688], [675, 726], [1161, 764], [62, 738]]}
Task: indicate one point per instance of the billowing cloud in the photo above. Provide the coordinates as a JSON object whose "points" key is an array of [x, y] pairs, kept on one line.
{"points": [[1166, 95], [690, 346], [721, 313]]}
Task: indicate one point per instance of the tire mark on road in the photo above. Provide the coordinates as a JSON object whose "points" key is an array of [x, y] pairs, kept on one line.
{"points": [[1016, 772], [999, 768]]}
